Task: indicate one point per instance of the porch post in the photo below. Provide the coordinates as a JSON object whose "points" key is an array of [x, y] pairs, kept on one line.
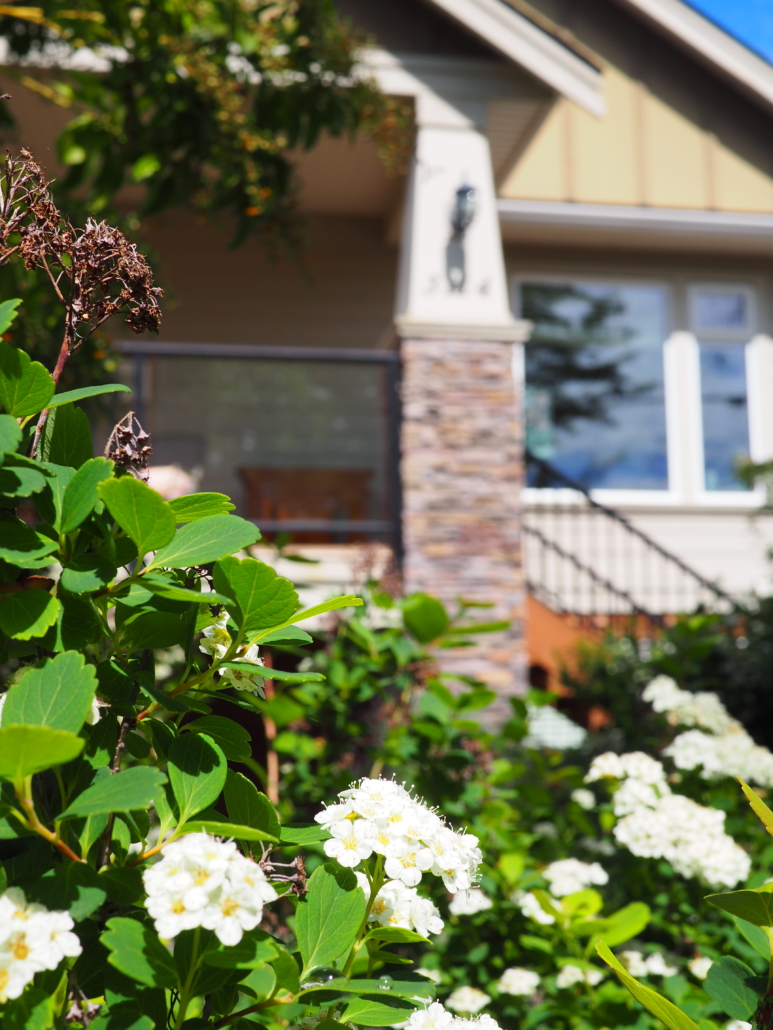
{"points": [[462, 452]]}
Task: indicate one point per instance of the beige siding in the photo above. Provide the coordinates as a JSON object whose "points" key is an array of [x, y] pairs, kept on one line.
{"points": [[738, 184], [675, 166], [542, 172]]}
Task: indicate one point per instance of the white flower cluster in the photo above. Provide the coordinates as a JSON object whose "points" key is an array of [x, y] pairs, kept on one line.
{"points": [[468, 903], [584, 798], [436, 1017], [216, 641], [571, 975], [467, 999], [654, 823], [719, 745], [569, 875], [700, 966], [531, 908], [31, 939], [398, 905], [202, 881], [638, 964], [519, 982], [380, 817]]}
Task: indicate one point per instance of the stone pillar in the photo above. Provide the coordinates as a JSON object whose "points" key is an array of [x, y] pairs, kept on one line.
{"points": [[462, 471]]}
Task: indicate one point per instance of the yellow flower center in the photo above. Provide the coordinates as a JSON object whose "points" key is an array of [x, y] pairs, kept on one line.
{"points": [[178, 907], [228, 906], [20, 950]]}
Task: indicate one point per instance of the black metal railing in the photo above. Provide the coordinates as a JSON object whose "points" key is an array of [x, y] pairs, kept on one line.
{"points": [[586, 559], [383, 520]]}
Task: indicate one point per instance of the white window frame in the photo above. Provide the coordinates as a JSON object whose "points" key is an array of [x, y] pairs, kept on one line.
{"points": [[682, 388]]}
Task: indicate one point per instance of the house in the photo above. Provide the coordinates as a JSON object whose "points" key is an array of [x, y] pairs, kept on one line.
{"points": [[580, 260]]}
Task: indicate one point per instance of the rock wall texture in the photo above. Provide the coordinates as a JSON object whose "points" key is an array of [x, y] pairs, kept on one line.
{"points": [[462, 473]]}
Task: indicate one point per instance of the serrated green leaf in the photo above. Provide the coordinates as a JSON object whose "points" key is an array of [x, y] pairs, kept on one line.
{"points": [[204, 541], [370, 1012], [232, 738], [247, 806], [136, 951], [25, 385], [18, 482], [345, 601], [754, 906], [8, 313], [126, 791], [141, 513], [58, 694], [227, 829], [154, 629], [261, 599], [10, 434], [81, 496], [86, 573], [726, 984], [66, 437], [77, 624], [655, 1003], [197, 771], [193, 507], [74, 887], [70, 396], [329, 916], [273, 674], [19, 544], [25, 750], [28, 614], [395, 935]]}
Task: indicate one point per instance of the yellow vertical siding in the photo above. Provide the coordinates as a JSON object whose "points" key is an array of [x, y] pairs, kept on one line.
{"points": [[542, 171]]}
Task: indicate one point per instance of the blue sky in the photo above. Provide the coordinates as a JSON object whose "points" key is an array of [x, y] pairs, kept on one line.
{"points": [[750, 20]]}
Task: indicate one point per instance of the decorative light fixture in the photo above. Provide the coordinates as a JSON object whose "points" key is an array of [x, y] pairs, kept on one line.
{"points": [[465, 208]]}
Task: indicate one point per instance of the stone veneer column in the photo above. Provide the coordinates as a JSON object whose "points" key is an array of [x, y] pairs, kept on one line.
{"points": [[462, 471]]}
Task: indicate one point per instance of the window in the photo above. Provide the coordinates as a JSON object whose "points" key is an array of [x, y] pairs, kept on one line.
{"points": [[603, 366], [595, 383], [722, 319]]}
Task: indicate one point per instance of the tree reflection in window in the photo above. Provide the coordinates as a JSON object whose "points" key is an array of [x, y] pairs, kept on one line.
{"points": [[595, 404]]}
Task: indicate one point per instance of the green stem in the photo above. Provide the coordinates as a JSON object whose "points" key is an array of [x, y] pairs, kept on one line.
{"points": [[376, 883], [185, 996]]}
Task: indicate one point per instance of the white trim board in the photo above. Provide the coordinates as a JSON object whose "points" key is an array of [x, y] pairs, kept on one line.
{"points": [[659, 221], [523, 42], [709, 42]]}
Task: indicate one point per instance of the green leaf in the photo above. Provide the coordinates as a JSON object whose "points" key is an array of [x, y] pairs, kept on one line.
{"points": [[395, 935], [232, 738], [303, 834], [122, 792], [274, 674], [288, 635], [10, 434], [25, 385], [28, 614], [49, 502], [8, 313], [81, 496], [197, 770], [86, 573], [77, 624], [137, 952], [253, 950], [154, 629], [227, 829], [758, 806], [33, 1010], [758, 938], [369, 1012], [247, 806], [164, 587], [193, 507], [726, 984], [70, 396], [328, 918], [146, 166], [621, 926], [58, 694], [755, 906], [74, 887], [204, 541], [655, 1003], [261, 599], [425, 617], [66, 437], [412, 989], [141, 513], [25, 750], [345, 601], [287, 974], [19, 544], [18, 482]]}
